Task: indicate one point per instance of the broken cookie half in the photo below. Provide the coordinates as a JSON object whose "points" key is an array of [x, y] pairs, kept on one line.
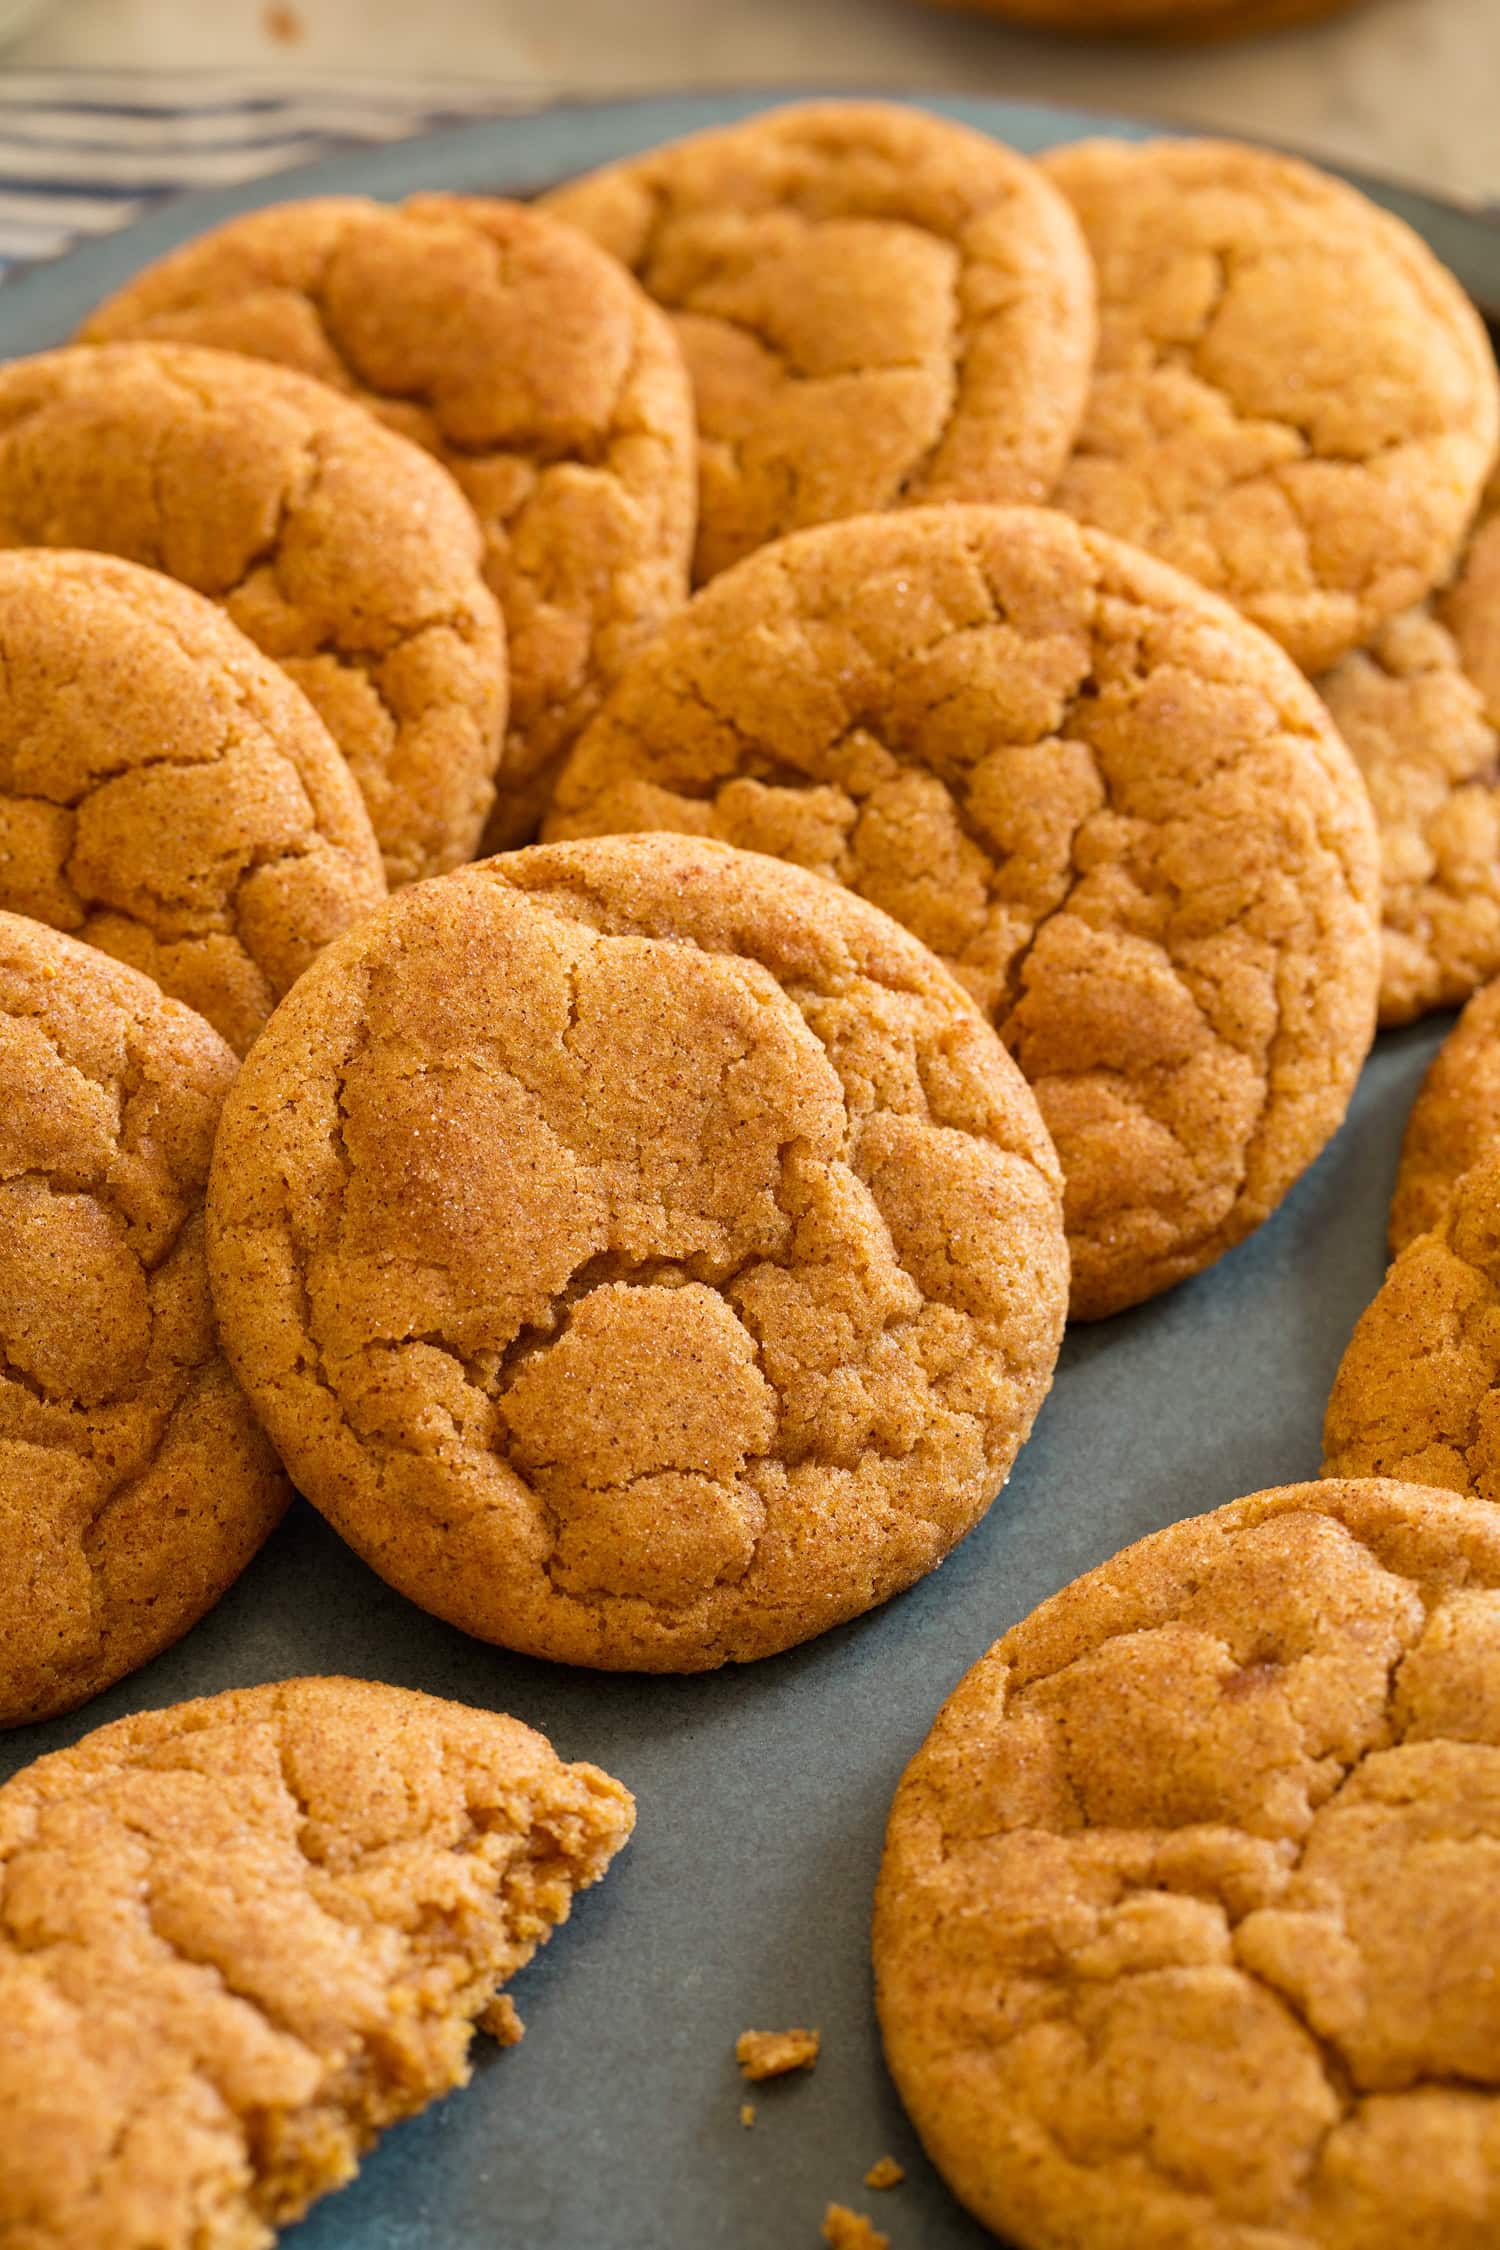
{"points": [[240, 1937]]}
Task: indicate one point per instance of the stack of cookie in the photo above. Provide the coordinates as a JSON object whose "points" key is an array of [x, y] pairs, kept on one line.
{"points": [[651, 1245]]}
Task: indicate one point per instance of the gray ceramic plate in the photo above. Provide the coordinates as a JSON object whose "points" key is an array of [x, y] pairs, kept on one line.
{"points": [[763, 1792]]}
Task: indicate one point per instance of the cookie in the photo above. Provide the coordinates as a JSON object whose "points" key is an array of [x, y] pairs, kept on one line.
{"points": [[1454, 1120], [240, 1937], [876, 307], [535, 369], [1426, 734], [135, 1484], [1117, 813], [165, 792], [1294, 402], [643, 1252], [1415, 1395], [1186, 1922], [1154, 19], [340, 549]]}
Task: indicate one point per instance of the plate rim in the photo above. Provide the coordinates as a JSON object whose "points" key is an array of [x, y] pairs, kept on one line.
{"points": [[45, 298]]}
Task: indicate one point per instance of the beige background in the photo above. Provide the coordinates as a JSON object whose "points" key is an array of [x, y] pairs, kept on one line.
{"points": [[1406, 86]]}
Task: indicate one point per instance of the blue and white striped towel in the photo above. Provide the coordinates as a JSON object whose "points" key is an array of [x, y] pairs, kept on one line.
{"points": [[83, 152]]}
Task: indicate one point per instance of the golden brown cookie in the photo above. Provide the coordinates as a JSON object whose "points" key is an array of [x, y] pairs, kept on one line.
{"points": [[1294, 402], [1416, 1392], [165, 792], [644, 1253], [240, 1937], [876, 306], [1186, 1924], [1119, 815], [1454, 1120], [1153, 19], [340, 549], [535, 369], [135, 1484], [1426, 735]]}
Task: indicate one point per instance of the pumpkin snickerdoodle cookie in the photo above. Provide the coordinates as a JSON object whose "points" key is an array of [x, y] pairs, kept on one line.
{"points": [[1420, 709], [643, 1253], [1188, 1911], [1454, 1120], [240, 1937], [341, 550], [530, 363], [135, 1483], [165, 792], [1118, 813], [876, 306], [1417, 1393], [1294, 401]]}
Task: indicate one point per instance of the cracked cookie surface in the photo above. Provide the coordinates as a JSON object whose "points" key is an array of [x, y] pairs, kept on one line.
{"points": [[876, 306], [1185, 1924], [530, 363], [642, 1252], [342, 551], [1454, 1120], [1120, 816], [240, 1937], [1294, 402], [135, 1484], [1420, 709], [166, 794], [1416, 1392]]}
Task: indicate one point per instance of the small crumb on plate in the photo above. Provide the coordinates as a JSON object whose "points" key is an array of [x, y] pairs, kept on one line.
{"points": [[770, 2054], [844, 2229], [885, 2172]]}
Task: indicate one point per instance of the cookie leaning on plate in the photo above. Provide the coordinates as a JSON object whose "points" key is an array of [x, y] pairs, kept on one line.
{"points": [[643, 1253], [1185, 1925], [1420, 709], [1417, 1392], [341, 550], [535, 369], [1454, 1120], [165, 792], [1294, 401], [877, 306], [240, 1937], [1116, 811], [135, 1483]]}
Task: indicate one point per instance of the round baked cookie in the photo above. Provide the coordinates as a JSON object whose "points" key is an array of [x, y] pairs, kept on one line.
{"points": [[1119, 815], [240, 1937], [1426, 735], [1454, 1120], [1152, 19], [340, 549], [1417, 1393], [876, 306], [644, 1253], [1294, 401], [135, 1484], [165, 792], [1185, 1927], [531, 364]]}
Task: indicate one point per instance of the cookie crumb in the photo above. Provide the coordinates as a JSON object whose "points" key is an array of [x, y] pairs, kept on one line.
{"points": [[747, 2114], [885, 2173], [844, 2229], [501, 2021], [770, 2054], [283, 26]]}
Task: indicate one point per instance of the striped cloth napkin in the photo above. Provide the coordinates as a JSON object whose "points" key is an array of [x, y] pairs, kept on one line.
{"points": [[83, 152]]}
